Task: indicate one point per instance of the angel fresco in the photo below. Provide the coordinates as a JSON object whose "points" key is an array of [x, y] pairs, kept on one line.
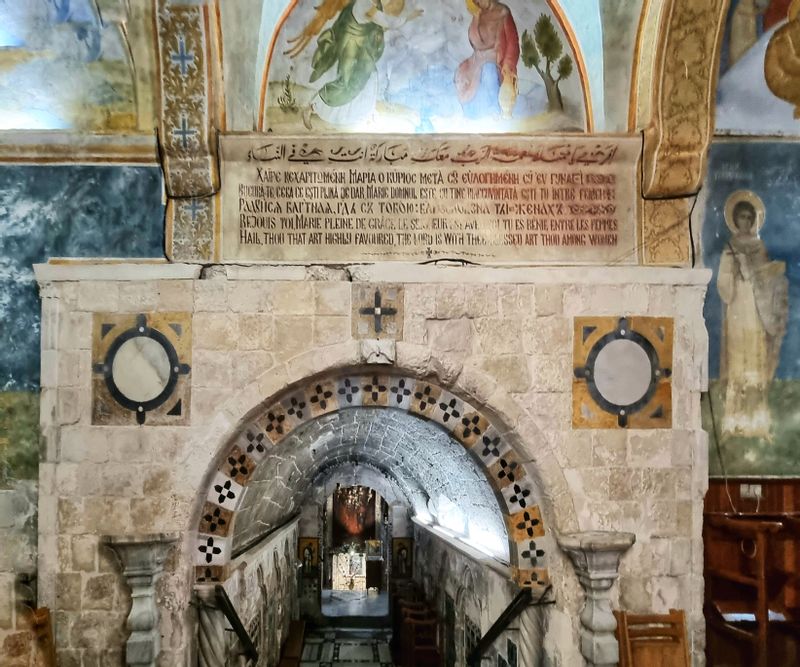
{"points": [[384, 66], [354, 44]]}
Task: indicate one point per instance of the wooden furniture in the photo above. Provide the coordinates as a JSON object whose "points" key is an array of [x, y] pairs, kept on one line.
{"points": [[652, 640], [293, 647], [779, 501], [745, 581]]}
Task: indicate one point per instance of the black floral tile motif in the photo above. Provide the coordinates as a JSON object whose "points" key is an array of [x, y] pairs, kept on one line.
{"points": [[275, 423], [534, 578], [470, 426], [215, 520], [425, 398], [507, 469], [256, 443], [518, 496], [451, 411], [349, 391], [528, 523], [210, 574], [400, 389], [320, 397], [209, 549], [490, 447], [224, 492], [296, 407], [532, 553], [238, 466], [375, 392]]}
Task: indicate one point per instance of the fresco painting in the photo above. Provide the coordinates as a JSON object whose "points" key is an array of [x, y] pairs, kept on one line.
{"points": [[64, 66], [759, 84], [406, 67], [752, 309]]}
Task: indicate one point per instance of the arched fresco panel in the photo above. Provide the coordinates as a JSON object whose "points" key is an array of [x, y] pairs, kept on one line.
{"points": [[399, 66], [69, 65]]}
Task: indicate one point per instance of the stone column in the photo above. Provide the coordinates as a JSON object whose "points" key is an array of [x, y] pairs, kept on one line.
{"points": [[595, 556], [142, 558], [210, 628]]}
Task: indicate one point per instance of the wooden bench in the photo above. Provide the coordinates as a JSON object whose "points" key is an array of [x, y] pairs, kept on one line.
{"points": [[293, 647]]}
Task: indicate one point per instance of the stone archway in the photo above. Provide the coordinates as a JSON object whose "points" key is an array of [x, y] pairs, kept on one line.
{"points": [[511, 475]]}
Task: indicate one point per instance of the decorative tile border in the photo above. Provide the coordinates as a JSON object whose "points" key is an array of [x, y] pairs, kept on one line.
{"points": [[529, 541], [189, 66]]}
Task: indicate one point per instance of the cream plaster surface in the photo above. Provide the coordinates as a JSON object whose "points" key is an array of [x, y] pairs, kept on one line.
{"points": [[500, 338]]}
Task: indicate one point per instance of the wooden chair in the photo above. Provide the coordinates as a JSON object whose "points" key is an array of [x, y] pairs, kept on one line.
{"points": [[751, 574], [652, 640]]}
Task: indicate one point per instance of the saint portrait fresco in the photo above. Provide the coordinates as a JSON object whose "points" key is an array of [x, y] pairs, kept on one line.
{"points": [[751, 309], [754, 291], [411, 67]]}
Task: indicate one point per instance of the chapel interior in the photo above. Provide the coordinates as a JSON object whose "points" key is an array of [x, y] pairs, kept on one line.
{"points": [[394, 333]]}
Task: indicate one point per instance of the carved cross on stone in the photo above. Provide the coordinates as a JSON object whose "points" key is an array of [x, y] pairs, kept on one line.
{"points": [[378, 311]]}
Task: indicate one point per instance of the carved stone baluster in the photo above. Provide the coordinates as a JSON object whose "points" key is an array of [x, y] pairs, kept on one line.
{"points": [[210, 628], [595, 556], [142, 558]]}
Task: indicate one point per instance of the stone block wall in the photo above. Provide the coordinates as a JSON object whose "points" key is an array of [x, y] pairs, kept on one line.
{"points": [[501, 338], [17, 572]]}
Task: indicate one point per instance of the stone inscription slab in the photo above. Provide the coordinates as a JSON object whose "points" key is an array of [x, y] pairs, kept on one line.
{"points": [[479, 198]]}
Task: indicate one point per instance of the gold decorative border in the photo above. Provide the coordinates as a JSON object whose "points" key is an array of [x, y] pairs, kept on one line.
{"points": [[684, 86]]}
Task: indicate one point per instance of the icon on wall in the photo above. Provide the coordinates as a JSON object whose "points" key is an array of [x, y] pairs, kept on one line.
{"points": [[141, 368], [402, 557], [308, 553], [622, 372]]}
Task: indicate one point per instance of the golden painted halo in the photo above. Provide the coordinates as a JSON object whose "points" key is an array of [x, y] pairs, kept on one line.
{"points": [[473, 8], [744, 196]]}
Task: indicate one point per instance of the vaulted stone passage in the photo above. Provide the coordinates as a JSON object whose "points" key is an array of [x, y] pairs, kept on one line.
{"points": [[443, 456], [426, 467]]}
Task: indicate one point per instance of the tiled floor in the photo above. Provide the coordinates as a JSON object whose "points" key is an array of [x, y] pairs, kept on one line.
{"points": [[354, 603], [347, 648]]}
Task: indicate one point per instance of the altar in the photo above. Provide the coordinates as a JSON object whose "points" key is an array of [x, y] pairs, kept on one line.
{"points": [[349, 571]]}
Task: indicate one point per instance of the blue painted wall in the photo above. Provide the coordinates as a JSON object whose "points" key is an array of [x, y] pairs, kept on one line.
{"points": [[65, 211]]}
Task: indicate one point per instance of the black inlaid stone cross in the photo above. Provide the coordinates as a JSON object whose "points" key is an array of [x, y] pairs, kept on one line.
{"points": [[378, 311]]}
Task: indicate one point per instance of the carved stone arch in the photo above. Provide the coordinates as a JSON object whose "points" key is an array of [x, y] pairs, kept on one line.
{"points": [[515, 480]]}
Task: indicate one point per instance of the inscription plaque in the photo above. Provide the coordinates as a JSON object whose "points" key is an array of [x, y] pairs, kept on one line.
{"points": [[478, 198]]}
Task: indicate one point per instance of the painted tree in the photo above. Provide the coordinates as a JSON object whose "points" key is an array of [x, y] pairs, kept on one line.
{"points": [[544, 52]]}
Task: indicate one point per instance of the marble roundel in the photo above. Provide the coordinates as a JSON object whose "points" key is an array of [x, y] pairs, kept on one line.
{"points": [[623, 372], [141, 369]]}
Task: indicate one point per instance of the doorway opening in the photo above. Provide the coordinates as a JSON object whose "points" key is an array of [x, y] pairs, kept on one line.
{"points": [[356, 527]]}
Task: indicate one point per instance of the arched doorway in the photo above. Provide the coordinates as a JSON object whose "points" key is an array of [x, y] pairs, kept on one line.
{"points": [[408, 455]]}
